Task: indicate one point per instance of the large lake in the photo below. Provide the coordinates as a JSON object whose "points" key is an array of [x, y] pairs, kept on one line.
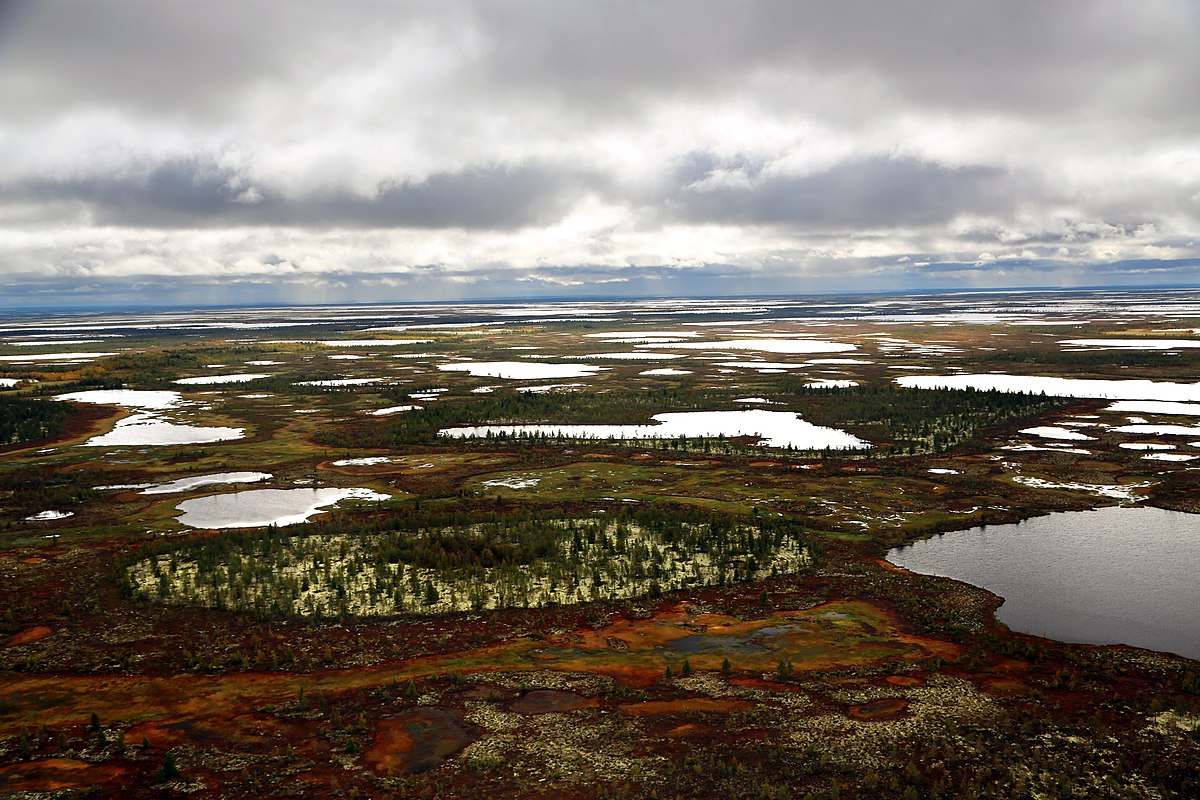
{"points": [[1109, 576]]}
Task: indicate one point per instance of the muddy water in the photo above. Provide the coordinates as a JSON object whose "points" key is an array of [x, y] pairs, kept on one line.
{"points": [[1109, 576]]}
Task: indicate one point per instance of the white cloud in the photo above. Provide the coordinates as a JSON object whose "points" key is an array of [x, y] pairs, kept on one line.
{"points": [[570, 144]]}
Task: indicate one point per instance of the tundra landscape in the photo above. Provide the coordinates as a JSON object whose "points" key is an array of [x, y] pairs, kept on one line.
{"points": [[560, 400], [861, 546]]}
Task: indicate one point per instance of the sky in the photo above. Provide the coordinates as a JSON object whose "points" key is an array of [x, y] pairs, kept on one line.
{"points": [[246, 151]]}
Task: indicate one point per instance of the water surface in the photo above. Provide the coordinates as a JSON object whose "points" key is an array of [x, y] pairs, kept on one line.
{"points": [[521, 370], [195, 481], [1059, 387], [776, 429], [1110, 576], [147, 429], [261, 507]]}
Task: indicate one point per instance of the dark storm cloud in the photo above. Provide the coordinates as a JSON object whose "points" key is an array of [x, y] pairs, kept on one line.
{"points": [[869, 193], [191, 193]]}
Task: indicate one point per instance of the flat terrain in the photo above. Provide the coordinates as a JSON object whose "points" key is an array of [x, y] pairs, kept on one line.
{"points": [[549, 616]]}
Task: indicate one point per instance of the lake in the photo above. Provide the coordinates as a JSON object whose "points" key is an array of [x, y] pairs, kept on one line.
{"points": [[1109, 576], [1059, 387], [775, 429]]}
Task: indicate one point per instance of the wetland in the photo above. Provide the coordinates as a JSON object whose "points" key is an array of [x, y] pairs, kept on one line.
{"points": [[918, 546], [1110, 576]]}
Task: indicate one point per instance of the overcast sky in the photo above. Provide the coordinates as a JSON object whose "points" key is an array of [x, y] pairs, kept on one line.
{"points": [[212, 152]]}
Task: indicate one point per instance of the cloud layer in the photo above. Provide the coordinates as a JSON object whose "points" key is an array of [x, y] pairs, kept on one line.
{"points": [[227, 151]]}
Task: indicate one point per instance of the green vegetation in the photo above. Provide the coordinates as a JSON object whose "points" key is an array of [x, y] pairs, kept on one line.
{"points": [[905, 421], [1096, 361], [143, 370], [24, 420], [427, 566], [508, 406], [925, 420], [169, 770], [277, 662]]}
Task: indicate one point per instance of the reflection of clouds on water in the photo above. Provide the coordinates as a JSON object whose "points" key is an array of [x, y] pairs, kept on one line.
{"points": [[261, 507], [1058, 387], [777, 429], [520, 370], [1114, 575], [184, 484]]}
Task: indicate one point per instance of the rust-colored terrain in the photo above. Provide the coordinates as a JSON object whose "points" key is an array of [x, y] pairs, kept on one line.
{"points": [[845, 677]]}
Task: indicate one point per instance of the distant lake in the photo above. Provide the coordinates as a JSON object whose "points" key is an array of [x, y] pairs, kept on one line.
{"points": [[1109, 576], [776, 429]]}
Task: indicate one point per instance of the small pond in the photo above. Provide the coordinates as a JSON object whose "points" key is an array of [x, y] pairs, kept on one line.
{"points": [[195, 481], [261, 507], [1110, 576]]}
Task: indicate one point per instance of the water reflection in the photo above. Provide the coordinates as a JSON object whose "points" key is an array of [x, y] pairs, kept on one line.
{"points": [[1110, 576]]}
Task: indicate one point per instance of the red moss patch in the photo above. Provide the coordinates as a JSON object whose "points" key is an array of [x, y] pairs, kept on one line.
{"points": [[30, 635], [51, 774], [764, 685], [686, 731], [904, 680], [1005, 687]]}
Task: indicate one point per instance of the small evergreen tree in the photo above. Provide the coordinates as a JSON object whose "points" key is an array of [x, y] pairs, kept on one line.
{"points": [[169, 770]]}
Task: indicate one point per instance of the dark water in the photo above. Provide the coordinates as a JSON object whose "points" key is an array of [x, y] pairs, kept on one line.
{"points": [[1110, 576], [436, 736], [548, 701]]}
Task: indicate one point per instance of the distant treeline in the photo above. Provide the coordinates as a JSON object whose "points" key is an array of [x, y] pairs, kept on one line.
{"points": [[901, 420], [510, 407], [913, 419], [1093, 360]]}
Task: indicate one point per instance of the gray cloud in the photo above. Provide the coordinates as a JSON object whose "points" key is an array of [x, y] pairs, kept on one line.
{"points": [[877, 192], [1027, 55], [465, 143], [196, 193]]}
